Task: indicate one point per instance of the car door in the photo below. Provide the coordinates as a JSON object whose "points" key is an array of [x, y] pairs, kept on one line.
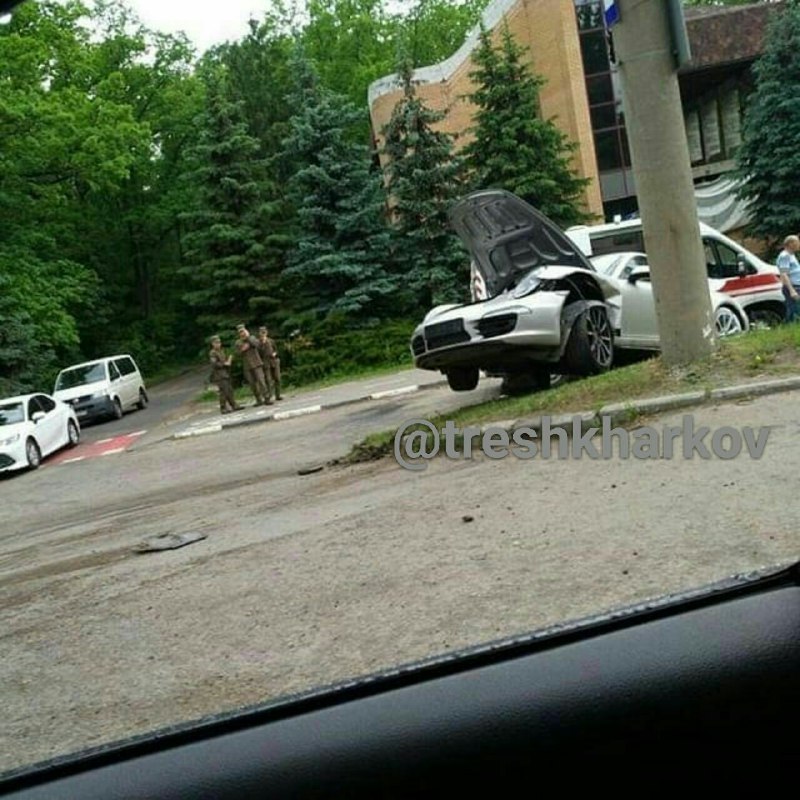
{"points": [[129, 379], [731, 272], [117, 384], [639, 324], [48, 431]]}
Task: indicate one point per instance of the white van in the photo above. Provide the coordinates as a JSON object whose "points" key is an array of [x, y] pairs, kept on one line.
{"points": [[106, 387], [732, 269]]}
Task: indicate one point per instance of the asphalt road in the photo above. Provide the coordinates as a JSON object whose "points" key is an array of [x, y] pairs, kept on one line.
{"points": [[168, 401], [306, 579]]}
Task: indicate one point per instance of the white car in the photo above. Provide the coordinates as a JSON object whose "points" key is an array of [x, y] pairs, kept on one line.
{"points": [[732, 269], [106, 387], [730, 314], [539, 306], [32, 426]]}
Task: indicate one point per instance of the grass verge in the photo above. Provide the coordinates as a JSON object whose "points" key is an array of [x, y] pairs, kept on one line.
{"points": [[758, 355]]}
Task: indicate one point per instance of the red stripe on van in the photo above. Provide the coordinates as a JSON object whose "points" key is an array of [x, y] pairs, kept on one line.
{"points": [[750, 282]]}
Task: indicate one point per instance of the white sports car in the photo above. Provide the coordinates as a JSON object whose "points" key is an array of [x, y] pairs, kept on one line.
{"points": [[730, 315], [539, 305], [33, 426]]}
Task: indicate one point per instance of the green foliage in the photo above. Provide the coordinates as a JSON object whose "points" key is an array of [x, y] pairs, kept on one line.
{"points": [[342, 256], [770, 154], [224, 246], [513, 147], [146, 194], [424, 177], [333, 347]]}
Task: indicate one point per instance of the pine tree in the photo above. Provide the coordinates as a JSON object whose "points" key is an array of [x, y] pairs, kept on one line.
{"points": [[514, 148], [228, 272], [769, 158], [424, 177], [343, 243]]}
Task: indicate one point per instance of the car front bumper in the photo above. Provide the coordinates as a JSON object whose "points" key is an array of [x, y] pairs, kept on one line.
{"points": [[13, 456], [505, 336], [90, 408]]}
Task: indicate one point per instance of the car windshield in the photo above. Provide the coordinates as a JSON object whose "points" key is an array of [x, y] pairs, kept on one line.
{"points": [[80, 376], [11, 413], [606, 264]]}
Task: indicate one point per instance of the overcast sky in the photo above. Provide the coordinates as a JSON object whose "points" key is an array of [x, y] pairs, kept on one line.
{"points": [[206, 22]]}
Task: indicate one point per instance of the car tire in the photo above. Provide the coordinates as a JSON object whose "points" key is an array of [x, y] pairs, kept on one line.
{"points": [[116, 411], [73, 434], [590, 347], [143, 400], [727, 322], [536, 379], [33, 453], [463, 379], [765, 317]]}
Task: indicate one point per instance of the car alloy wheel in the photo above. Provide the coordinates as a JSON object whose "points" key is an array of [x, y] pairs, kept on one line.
{"points": [[727, 322], [143, 400], [598, 333], [33, 454], [117, 411], [73, 434]]}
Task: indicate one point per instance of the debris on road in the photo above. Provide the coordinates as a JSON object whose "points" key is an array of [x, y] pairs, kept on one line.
{"points": [[168, 541], [467, 518], [310, 470]]}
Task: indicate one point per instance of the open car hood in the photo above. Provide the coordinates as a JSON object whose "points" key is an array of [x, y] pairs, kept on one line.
{"points": [[507, 237]]}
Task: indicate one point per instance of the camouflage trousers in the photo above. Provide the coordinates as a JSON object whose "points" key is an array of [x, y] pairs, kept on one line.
{"points": [[226, 398], [257, 381], [273, 372]]}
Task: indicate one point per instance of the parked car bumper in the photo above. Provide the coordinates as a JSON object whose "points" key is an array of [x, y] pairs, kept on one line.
{"points": [[92, 408], [13, 456]]}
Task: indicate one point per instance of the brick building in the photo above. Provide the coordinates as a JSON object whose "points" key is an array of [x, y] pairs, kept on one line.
{"points": [[568, 45]]}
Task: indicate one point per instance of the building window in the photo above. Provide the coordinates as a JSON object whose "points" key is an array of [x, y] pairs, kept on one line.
{"points": [[594, 49], [604, 116], [589, 13], [600, 89], [607, 148]]}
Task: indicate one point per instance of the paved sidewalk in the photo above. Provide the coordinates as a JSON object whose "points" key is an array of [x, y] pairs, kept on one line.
{"points": [[303, 403]]}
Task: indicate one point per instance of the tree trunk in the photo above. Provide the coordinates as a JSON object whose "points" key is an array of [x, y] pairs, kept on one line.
{"points": [[662, 170]]}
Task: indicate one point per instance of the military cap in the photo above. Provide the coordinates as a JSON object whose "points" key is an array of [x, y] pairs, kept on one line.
{"points": [[215, 339], [241, 326], [262, 329]]}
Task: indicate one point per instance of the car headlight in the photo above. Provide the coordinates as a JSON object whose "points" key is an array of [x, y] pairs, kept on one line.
{"points": [[526, 286], [9, 440]]}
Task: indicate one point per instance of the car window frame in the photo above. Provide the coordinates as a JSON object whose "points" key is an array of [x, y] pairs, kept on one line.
{"points": [[44, 401]]}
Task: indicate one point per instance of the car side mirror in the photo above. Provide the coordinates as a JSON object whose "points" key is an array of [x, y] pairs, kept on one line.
{"points": [[639, 274], [741, 267], [37, 416]]}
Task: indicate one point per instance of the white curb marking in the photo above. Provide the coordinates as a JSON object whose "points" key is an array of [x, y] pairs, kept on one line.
{"points": [[394, 392], [198, 431], [297, 412]]}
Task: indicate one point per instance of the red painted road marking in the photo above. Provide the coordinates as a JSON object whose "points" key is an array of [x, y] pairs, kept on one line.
{"points": [[105, 447]]}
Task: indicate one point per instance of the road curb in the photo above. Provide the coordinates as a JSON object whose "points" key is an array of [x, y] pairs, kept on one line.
{"points": [[626, 412], [277, 416]]}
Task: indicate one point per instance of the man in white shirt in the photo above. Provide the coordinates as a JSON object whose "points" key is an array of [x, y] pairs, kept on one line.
{"points": [[789, 268]]}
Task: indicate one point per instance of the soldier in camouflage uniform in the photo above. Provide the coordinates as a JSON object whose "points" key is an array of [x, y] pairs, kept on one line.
{"points": [[272, 363], [253, 366], [221, 376]]}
